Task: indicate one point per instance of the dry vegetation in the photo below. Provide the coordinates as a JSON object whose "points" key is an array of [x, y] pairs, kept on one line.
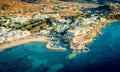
{"points": [[17, 7]]}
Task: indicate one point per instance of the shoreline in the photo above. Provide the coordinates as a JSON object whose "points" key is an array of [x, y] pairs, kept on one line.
{"points": [[93, 35], [23, 41]]}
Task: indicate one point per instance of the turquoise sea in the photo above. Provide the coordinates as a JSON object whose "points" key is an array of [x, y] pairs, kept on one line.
{"points": [[104, 56]]}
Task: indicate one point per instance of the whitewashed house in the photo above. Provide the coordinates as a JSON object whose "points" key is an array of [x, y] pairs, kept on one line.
{"points": [[103, 19], [43, 33], [2, 40]]}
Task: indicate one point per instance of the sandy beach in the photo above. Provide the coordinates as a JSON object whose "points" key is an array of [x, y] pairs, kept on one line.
{"points": [[22, 41]]}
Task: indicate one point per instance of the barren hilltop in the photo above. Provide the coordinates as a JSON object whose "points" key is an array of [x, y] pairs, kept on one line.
{"points": [[16, 5], [31, 7]]}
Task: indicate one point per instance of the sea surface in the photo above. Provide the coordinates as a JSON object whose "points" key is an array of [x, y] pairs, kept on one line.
{"points": [[104, 56]]}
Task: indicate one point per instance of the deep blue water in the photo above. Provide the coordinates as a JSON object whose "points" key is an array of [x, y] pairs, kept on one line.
{"points": [[104, 56]]}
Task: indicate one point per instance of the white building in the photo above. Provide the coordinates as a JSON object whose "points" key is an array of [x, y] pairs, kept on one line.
{"points": [[43, 33], [75, 33], [103, 19], [72, 35], [2, 40], [2, 29], [61, 28]]}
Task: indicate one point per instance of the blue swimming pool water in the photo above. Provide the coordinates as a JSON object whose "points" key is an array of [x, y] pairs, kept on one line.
{"points": [[104, 56]]}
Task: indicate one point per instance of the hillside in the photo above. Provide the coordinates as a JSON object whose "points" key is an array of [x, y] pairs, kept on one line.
{"points": [[16, 5], [8, 7], [32, 7]]}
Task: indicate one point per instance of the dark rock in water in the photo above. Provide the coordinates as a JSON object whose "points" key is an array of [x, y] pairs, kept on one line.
{"points": [[99, 33]]}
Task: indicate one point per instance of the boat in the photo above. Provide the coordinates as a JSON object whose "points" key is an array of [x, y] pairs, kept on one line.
{"points": [[66, 44], [85, 49]]}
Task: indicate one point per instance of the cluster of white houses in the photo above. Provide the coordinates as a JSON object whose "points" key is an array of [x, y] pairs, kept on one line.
{"points": [[43, 33], [43, 16], [18, 19], [7, 35], [60, 24], [15, 19], [23, 20], [93, 20], [64, 24]]}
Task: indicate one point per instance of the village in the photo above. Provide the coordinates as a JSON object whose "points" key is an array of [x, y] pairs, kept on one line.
{"points": [[76, 29]]}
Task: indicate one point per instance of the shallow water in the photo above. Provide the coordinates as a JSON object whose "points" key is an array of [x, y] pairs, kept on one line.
{"points": [[104, 56]]}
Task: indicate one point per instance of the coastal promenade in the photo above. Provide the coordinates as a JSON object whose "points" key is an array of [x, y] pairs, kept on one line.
{"points": [[22, 41]]}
